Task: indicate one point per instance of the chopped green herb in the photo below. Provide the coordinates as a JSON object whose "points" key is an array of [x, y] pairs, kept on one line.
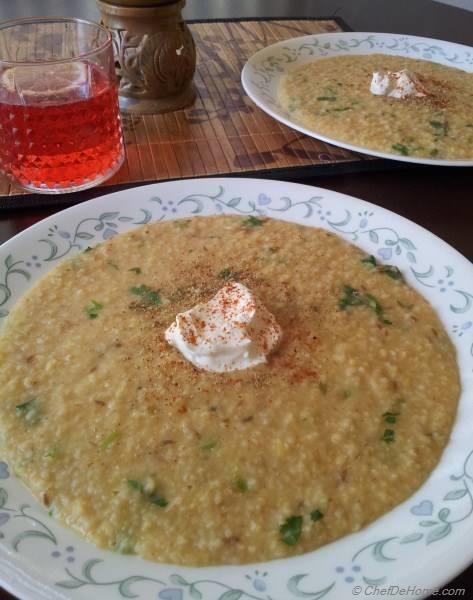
{"points": [[391, 271], [327, 98], [53, 452], [110, 439], [182, 223], [28, 411], [369, 262], [253, 221], [341, 109], [440, 127], [400, 149], [388, 436], [50, 512], [346, 394], [242, 485], [158, 500], [209, 446], [390, 417], [154, 498], [316, 515], [88, 249], [93, 309], [113, 265], [136, 270], [124, 545], [353, 297], [323, 387], [291, 530], [24, 407], [227, 274], [150, 296], [469, 125], [434, 152], [136, 486]]}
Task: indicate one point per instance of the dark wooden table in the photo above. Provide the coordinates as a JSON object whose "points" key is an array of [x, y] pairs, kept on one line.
{"points": [[440, 199]]}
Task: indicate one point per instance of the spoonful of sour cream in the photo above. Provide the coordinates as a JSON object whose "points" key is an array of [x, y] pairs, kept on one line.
{"points": [[232, 331]]}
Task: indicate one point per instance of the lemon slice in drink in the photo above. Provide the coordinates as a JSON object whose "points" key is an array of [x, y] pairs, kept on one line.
{"points": [[45, 80]]}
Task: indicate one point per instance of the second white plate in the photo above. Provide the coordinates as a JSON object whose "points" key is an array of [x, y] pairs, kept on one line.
{"points": [[263, 71]]}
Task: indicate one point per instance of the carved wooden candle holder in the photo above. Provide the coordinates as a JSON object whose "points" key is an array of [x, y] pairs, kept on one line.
{"points": [[154, 54]]}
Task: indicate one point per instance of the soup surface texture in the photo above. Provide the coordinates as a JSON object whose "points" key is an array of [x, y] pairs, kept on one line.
{"points": [[137, 450], [332, 97]]}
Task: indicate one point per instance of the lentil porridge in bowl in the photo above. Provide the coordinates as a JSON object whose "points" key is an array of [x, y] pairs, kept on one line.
{"points": [[234, 466], [433, 118]]}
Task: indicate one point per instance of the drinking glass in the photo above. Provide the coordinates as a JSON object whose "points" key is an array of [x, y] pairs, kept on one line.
{"points": [[59, 118]]}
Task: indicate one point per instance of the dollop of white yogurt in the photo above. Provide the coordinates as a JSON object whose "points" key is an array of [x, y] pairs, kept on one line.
{"points": [[397, 84], [232, 331]]}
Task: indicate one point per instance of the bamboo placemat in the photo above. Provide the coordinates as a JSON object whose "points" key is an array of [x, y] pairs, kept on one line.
{"points": [[223, 133]]}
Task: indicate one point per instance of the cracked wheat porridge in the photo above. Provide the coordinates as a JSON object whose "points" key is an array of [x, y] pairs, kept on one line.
{"points": [[139, 451], [332, 96]]}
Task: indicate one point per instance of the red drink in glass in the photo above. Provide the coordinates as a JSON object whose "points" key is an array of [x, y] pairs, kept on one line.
{"points": [[60, 123]]}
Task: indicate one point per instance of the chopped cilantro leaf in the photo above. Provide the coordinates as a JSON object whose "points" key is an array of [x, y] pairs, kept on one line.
{"points": [[316, 515], [124, 545], [441, 128], [93, 309], [390, 417], [53, 452], [227, 274], [391, 271], [136, 270], [209, 446], [401, 149], [136, 486], [388, 436], [253, 221], [24, 407], [110, 439], [353, 297], [369, 262], [28, 411], [113, 265], [327, 98], [182, 223], [88, 249], [155, 498], [242, 485], [290, 531], [158, 500], [150, 296]]}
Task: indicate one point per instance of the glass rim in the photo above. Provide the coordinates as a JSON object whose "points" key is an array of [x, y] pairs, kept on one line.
{"points": [[53, 19]]}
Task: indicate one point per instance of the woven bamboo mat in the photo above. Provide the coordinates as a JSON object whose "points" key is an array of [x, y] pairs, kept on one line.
{"points": [[223, 132]]}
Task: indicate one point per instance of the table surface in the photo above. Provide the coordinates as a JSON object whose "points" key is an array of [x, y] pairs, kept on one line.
{"points": [[438, 198]]}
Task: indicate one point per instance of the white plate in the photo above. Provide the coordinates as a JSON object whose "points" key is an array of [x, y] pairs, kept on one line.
{"points": [[423, 542], [263, 71]]}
